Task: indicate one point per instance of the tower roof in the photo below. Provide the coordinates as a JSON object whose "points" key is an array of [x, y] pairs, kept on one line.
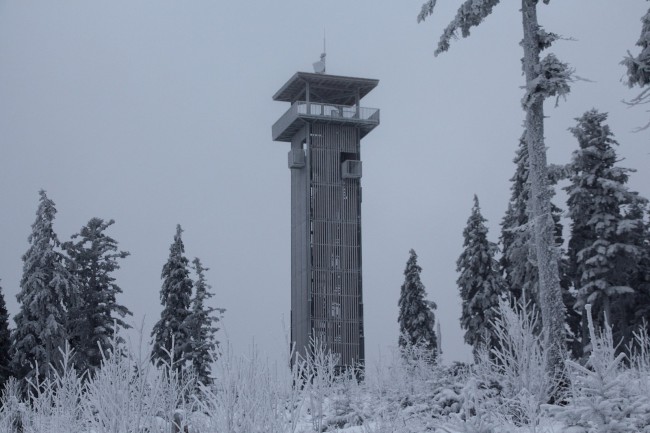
{"points": [[332, 89]]}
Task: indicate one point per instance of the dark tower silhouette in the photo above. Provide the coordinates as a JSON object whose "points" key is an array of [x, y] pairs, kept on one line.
{"points": [[324, 125]]}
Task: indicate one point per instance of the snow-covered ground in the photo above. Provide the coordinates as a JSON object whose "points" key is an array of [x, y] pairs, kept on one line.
{"points": [[404, 393]]}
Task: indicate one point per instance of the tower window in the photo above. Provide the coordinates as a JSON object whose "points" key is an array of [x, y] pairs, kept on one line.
{"points": [[335, 261], [336, 310], [337, 333]]}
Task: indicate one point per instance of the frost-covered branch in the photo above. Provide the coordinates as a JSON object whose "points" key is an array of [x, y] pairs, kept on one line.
{"points": [[470, 14], [640, 99], [638, 68], [553, 78], [427, 9], [545, 38]]}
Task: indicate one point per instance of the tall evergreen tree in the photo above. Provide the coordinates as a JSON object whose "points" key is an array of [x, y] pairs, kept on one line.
{"points": [[5, 342], [547, 77], [45, 288], [202, 323], [518, 262], [416, 318], [605, 250], [172, 334], [93, 258], [480, 283]]}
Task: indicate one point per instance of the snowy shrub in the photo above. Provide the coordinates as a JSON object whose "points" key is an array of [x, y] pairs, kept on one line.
{"points": [[503, 392], [12, 410], [639, 349], [508, 384], [480, 403], [129, 394], [410, 390], [321, 368], [54, 402], [518, 364], [605, 397], [248, 396], [125, 395], [117, 397], [345, 402], [446, 386], [640, 371], [383, 423]]}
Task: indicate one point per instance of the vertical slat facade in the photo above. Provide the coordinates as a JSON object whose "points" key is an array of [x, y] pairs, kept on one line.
{"points": [[335, 241]]}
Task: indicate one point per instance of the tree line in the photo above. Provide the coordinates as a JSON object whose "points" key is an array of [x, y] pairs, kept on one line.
{"points": [[606, 264], [68, 296]]}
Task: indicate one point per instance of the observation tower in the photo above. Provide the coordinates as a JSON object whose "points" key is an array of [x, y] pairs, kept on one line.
{"points": [[325, 124]]}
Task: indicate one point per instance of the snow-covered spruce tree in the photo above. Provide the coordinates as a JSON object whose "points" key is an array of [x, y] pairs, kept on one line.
{"points": [[93, 258], [631, 311], [639, 308], [172, 334], [416, 318], [605, 397], [481, 286], [638, 67], [604, 250], [5, 342], [202, 323], [46, 287], [518, 263], [544, 78]]}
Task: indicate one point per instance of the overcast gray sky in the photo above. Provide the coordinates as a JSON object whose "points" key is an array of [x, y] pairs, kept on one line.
{"points": [[158, 112]]}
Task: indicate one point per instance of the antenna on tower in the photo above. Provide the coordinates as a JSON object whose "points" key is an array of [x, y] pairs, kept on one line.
{"points": [[319, 67]]}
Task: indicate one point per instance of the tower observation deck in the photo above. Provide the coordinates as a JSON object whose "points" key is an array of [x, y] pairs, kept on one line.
{"points": [[325, 124]]}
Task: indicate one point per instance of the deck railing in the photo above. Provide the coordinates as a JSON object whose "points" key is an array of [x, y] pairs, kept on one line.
{"points": [[333, 112]]}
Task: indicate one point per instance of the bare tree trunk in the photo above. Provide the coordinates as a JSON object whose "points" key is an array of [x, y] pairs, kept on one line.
{"points": [[550, 295]]}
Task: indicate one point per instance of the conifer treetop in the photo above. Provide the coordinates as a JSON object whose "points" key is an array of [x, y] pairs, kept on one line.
{"points": [[605, 248], [45, 286], [173, 330], [416, 317], [95, 313], [202, 322], [481, 286]]}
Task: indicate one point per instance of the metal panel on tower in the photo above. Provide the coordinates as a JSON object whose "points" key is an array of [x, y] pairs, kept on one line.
{"points": [[324, 125]]}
